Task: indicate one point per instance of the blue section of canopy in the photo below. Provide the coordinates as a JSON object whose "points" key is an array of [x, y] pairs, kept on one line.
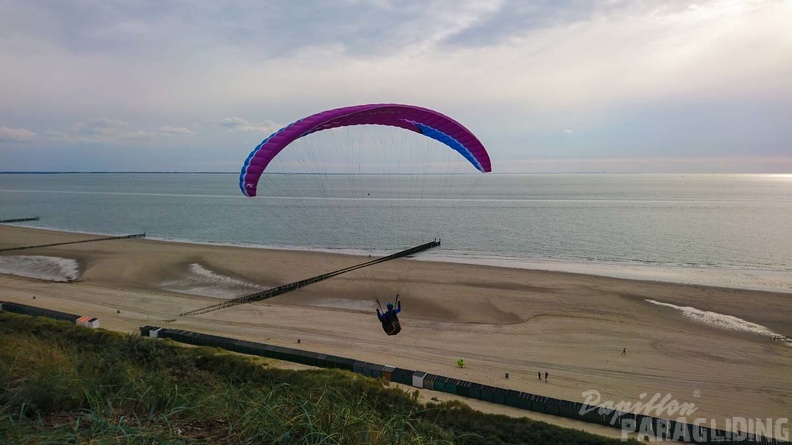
{"points": [[451, 142]]}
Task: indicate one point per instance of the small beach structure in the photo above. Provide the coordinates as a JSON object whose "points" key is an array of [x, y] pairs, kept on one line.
{"points": [[88, 322], [18, 308]]}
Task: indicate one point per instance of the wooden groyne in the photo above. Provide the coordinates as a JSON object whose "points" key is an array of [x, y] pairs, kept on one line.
{"points": [[93, 240], [280, 290], [9, 221]]}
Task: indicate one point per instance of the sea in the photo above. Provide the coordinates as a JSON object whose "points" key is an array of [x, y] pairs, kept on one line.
{"points": [[725, 230]]}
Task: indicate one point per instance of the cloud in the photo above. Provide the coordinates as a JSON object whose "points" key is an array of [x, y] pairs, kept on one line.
{"points": [[57, 136], [175, 131], [652, 76], [105, 130], [239, 124], [274, 30], [16, 134]]}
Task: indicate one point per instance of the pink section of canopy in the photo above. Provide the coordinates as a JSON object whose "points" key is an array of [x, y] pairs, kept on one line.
{"points": [[417, 119]]}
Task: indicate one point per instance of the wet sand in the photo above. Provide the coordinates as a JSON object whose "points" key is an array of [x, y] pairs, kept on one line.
{"points": [[499, 320]]}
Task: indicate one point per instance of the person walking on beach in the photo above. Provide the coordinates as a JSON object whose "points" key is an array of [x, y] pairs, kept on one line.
{"points": [[546, 376], [540, 374], [389, 320], [624, 351]]}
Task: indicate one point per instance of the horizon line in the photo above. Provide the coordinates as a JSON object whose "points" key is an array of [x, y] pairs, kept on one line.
{"points": [[594, 172]]}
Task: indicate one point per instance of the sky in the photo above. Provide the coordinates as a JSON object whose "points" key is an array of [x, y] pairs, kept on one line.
{"points": [[653, 86]]}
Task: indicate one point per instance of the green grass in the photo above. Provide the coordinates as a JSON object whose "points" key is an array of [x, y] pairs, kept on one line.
{"points": [[64, 384]]}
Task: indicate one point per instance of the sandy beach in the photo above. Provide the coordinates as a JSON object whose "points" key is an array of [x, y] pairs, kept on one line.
{"points": [[574, 327]]}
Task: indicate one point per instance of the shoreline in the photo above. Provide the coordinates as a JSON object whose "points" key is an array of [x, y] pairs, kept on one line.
{"points": [[498, 319], [765, 280], [72, 271]]}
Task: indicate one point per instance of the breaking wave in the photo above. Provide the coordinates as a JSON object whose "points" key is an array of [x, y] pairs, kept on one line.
{"points": [[204, 282], [41, 267], [723, 321]]}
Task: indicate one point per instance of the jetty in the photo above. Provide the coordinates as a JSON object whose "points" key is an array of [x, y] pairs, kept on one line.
{"points": [[11, 221], [280, 290], [92, 240]]}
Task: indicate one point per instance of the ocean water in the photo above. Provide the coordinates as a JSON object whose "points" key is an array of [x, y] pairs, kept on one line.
{"points": [[725, 230]]}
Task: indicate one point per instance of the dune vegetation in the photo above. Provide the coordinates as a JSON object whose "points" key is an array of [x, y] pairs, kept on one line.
{"points": [[66, 384]]}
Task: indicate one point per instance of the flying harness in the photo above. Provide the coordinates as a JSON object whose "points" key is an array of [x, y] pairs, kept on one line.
{"points": [[390, 322]]}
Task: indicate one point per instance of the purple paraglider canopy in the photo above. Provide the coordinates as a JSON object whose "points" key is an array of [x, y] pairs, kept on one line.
{"points": [[420, 120]]}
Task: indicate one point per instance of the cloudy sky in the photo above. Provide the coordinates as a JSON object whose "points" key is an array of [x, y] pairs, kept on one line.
{"points": [[548, 86]]}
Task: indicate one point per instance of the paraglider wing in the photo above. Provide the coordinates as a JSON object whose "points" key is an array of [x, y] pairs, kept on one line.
{"points": [[420, 120]]}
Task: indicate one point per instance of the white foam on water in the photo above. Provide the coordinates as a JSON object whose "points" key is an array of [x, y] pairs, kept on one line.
{"points": [[723, 321], [733, 278], [204, 274], [204, 282], [40, 267], [726, 277]]}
